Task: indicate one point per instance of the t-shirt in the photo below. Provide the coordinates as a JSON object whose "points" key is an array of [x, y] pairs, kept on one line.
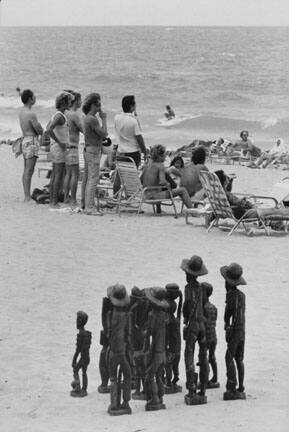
{"points": [[127, 127]]}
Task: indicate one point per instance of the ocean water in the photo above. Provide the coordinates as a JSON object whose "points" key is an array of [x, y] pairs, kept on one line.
{"points": [[219, 80]]}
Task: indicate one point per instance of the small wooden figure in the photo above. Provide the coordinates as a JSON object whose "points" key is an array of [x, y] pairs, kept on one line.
{"points": [[173, 339], [155, 340], [194, 330], [119, 339], [83, 343], [211, 314], [138, 321], [234, 318], [103, 364]]}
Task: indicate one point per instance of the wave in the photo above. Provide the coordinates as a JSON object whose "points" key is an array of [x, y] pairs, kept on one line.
{"points": [[14, 102], [232, 96], [227, 54]]}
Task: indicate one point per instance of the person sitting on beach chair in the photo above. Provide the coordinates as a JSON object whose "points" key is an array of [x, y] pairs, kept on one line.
{"points": [[191, 174], [245, 147], [275, 155], [154, 175]]}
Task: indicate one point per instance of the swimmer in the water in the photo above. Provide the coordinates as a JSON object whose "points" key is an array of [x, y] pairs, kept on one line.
{"points": [[169, 114]]}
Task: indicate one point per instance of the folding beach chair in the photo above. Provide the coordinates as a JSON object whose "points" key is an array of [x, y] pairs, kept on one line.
{"points": [[132, 193], [221, 207]]}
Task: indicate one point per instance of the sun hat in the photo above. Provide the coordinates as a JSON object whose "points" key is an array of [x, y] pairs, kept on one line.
{"points": [[118, 295], [157, 296], [194, 266], [233, 274]]}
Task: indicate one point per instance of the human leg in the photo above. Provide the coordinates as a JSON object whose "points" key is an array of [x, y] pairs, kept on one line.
{"points": [[56, 184], [66, 185], [92, 179], [84, 182], [29, 165], [74, 182], [183, 193]]}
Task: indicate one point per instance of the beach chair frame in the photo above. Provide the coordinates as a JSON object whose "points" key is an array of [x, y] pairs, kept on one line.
{"points": [[132, 193], [221, 207]]}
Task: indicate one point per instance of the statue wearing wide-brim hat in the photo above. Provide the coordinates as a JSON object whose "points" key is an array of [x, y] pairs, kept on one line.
{"points": [[194, 266], [118, 295], [157, 296], [233, 274]]}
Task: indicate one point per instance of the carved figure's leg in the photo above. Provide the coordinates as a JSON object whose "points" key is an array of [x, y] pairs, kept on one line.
{"points": [[240, 365], [159, 381], [203, 361], [230, 365], [84, 378], [126, 370], [103, 367], [189, 361], [151, 386], [113, 363], [213, 361], [175, 368], [168, 369]]}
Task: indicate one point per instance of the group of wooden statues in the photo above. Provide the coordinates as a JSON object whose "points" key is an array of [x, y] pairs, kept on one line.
{"points": [[141, 341]]}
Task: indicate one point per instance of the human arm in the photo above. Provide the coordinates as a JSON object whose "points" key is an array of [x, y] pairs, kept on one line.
{"points": [[141, 144], [36, 126], [77, 122], [173, 170], [58, 120], [100, 131], [162, 176]]}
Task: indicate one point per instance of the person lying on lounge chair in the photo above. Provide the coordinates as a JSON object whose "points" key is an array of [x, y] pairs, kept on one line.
{"points": [[271, 156], [240, 206]]}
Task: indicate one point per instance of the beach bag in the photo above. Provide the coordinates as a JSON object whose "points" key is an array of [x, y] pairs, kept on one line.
{"points": [[17, 147]]}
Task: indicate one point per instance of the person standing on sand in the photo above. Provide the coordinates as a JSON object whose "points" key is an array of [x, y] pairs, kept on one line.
{"points": [[31, 129], [94, 133], [71, 155], [127, 127], [58, 131]]}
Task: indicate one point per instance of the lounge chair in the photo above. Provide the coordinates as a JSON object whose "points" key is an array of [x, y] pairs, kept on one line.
{"points": [[132, 194], [222, 209]]}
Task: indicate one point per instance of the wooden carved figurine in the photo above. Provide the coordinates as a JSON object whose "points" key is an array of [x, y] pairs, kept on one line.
{"points": [[119, 339], [173, 339], [138, 318], [235, 331], [103, 364], [194, 330], [211, 314], [155, 342], [81, 357]]}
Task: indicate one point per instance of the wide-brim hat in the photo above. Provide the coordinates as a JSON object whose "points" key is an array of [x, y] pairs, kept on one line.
{"points": [[118, 295], [194, 266], [233, 274], [157, 296]]}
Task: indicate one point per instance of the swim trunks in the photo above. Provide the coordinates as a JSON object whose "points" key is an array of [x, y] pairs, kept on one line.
{"points": [[57, 153], [30, 147], [72, 156]]}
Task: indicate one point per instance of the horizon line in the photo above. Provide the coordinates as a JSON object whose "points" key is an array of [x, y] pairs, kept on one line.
{"points": [[148, 25]]}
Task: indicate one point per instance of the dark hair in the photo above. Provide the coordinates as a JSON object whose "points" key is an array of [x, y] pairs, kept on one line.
{"points": [[76, 96], [199, 155], [26, 95], [168, 107], [243, 131], [92, 98], [157, 151], [177, 158], [63, 98], [127, 102]]}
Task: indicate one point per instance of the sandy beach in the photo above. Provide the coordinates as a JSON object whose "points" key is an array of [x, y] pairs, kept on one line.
{"points": [[53, 265]]}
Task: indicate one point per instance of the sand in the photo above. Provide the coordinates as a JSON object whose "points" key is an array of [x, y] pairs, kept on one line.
{"points": [[55, 264]]}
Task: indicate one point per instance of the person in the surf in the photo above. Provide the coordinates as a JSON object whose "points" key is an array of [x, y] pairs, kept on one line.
{"points": [[169, 114]]}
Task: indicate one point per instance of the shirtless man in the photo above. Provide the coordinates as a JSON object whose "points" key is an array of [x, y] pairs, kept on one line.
{"points": [[154, 175], [31, 129], [190, 178]]}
